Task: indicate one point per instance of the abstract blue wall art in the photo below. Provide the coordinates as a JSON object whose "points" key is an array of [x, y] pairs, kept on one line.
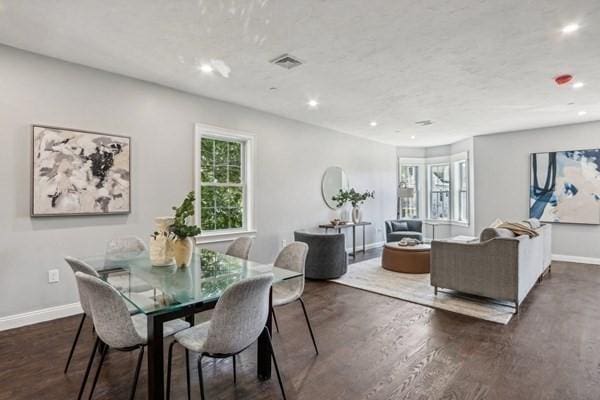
{"points": [[565, 187]]}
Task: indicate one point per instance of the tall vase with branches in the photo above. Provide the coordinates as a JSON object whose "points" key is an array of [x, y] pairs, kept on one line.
{"points": [[183, 246], [355, 198]]}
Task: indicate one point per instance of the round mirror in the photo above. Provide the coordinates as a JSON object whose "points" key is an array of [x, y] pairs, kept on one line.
{"points": [[334, 179]]}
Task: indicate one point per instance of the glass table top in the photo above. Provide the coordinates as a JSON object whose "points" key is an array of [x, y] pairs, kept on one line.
{"points": [[153, 289]]}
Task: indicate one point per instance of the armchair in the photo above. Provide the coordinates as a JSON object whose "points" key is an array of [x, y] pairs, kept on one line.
{"points": [[396, 230]]}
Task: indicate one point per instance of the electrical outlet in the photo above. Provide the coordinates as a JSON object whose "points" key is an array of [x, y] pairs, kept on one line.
{"points": [[53, 276], [283, 243]]}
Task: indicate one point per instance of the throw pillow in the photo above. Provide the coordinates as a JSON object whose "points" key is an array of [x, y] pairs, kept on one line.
{"points": [[399, 226], [497, 222]]}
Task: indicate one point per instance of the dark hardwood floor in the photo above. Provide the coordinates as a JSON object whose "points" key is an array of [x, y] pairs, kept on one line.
{"points": [[372, 347]]}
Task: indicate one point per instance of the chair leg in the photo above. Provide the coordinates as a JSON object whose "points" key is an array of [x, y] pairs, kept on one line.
{"points": [[187, 372], [137, 373], [200, 377], [234, 371], [88, 368], [104, 351], [275, 319], [275, 363], [74, 343], [169, 366], [312, 336]]}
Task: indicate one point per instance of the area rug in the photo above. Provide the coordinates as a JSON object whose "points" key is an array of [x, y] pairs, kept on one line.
{"points": [[415, 288]]}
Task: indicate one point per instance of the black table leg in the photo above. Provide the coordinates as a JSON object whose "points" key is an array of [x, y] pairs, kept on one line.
{"points": [[263, 355], [364, 243], [354, 241], [155, 358]]}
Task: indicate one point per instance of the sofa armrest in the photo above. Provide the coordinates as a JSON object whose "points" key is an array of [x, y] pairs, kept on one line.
{"points": [[487, 268]]}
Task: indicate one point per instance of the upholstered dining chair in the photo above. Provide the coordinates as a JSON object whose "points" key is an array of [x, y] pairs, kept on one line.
{"points": [[79, 266], [240, 247], [115, 327], [239, 318], [292, 257]]}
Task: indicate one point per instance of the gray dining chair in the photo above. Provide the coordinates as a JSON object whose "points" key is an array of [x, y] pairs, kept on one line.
{"points": [[239, 318], [240, 247], [115, 327], [79, 266], [292, 257]]}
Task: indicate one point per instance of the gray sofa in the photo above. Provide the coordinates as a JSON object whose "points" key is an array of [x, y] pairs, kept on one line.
{"points": [[326, 258], [500, 266], [398, 229]]}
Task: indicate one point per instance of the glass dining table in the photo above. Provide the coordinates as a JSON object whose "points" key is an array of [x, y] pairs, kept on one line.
{"points": [[167, 293]]}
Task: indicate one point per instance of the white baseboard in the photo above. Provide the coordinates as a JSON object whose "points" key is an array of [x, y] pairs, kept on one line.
{"points": [[576, 259], [34, 317], [369, 246]]}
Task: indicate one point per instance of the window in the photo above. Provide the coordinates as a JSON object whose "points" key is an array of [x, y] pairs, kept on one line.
{"points": [[461, 190], [222, 184], [439, 191], [408, 191]]}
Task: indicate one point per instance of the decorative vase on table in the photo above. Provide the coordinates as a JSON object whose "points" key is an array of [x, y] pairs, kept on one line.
{"points": [[183, 245], [183, 250], [356, 214], [161, 243]]}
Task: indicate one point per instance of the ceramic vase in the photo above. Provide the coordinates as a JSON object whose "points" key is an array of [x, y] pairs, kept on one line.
{"points": [[356, 215], [161, 247], [183, 249]]}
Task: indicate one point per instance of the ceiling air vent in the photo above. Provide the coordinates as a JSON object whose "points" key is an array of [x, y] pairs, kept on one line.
{"points": [[286, 61], [426, 122]]}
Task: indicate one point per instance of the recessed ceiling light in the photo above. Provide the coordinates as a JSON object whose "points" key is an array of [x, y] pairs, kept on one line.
{"points": [[578, 85], [413, 137], [570, 28], [206, 68], [313, 103], [582, 113], [373, 123]]}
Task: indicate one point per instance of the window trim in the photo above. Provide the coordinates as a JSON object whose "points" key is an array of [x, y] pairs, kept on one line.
{"points": [[248, 157], [424, 200], [439, 163]]}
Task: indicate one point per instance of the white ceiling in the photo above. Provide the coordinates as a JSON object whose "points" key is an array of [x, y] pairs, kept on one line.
{"points": [[471, 66]]}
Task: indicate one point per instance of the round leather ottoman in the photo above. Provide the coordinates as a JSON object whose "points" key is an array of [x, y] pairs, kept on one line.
{"points": [[406, 259]]}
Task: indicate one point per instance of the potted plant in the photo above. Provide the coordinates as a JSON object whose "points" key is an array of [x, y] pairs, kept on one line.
{"points": [[183, 245], [355, 198]]}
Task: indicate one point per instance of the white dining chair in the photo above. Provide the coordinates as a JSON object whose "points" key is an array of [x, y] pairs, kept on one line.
{"points": [[239, 318], [240, 247], [125, 246], [292, 257], [115, 327]]}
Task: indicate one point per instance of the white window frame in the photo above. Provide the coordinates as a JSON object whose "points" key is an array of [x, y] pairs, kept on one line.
{"points": [[424, 188], [430, 165], [249, 142], [456, 188]]}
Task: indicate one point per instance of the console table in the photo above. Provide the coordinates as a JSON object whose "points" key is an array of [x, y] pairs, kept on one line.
{"points": [[352, 225]]}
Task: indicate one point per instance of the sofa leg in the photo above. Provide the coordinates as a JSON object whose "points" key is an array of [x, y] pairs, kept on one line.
{"points": [[516, 307], [435, 290]]}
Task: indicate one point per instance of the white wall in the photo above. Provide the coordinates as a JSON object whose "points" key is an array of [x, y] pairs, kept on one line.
{"points": [[290, 156], [502, 180]]}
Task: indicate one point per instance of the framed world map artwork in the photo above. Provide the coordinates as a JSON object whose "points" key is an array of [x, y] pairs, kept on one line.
{"points": [[565, 186], [78, 172]]}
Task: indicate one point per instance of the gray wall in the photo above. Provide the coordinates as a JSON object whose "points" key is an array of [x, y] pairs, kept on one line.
{"points": [[290, 159], [502, 180]]}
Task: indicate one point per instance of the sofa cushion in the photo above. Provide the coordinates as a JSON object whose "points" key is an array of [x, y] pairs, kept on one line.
{"points": [[397, 236], [493, 233], [399, 226], [534, 223]]}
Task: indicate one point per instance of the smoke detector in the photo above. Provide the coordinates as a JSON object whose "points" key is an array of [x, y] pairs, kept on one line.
{"points": [[287, 61], [426, 122]]}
